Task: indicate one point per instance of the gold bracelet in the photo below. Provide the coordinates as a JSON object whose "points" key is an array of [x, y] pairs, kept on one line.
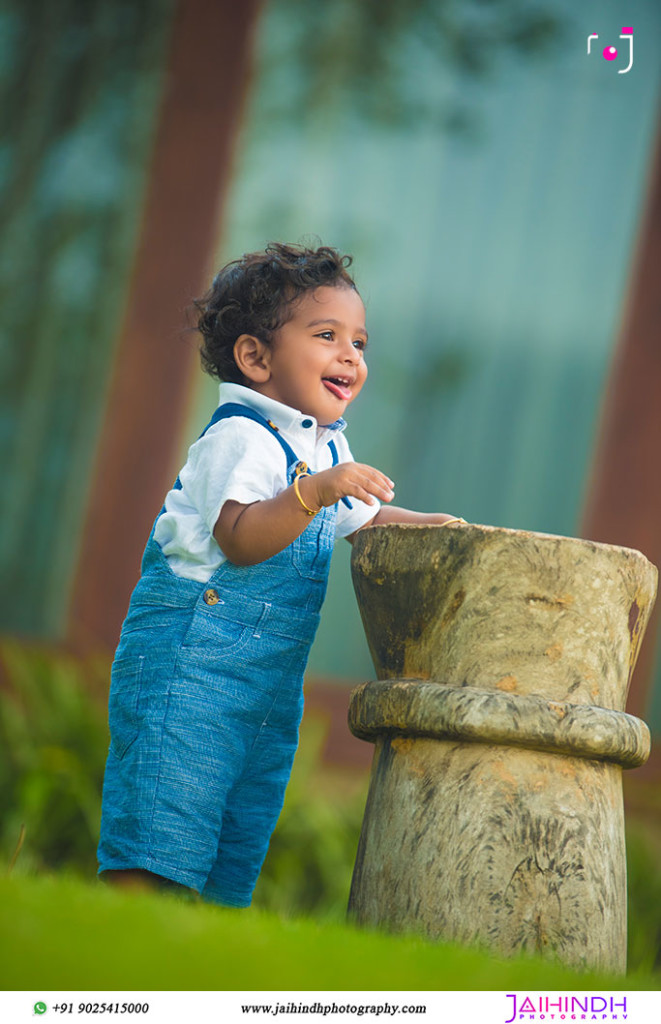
{"points": [[455, 519], [309, 511]]}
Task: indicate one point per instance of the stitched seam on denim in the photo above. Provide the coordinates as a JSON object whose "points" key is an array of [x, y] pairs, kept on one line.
{"points": [[160, 761], [284, 679], [263, 619], [137, 685]]}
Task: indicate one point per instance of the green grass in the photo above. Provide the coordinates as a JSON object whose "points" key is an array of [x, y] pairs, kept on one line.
{"points": [[63, 933], [59, 929]]}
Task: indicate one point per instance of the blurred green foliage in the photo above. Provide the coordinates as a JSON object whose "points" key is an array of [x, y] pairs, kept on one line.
{"points": [[644, 892], [375, 59], [53, 744], [81, 86]]}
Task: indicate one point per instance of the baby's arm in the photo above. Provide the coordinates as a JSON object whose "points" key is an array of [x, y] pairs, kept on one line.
{"points": [[392, 514], [251, 533]]}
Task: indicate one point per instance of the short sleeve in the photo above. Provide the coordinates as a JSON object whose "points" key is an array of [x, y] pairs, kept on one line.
{"points": [[237, 460], [350, 520]]}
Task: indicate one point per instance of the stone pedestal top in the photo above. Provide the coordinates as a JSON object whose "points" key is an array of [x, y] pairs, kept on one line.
{"points": [[502, 610]]}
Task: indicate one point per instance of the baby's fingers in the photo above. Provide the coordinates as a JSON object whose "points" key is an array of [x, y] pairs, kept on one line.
{"points": [[371, 482]]}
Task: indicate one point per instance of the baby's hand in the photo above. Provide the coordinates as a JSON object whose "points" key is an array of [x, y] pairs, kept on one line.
{"points": [[350, 480]]}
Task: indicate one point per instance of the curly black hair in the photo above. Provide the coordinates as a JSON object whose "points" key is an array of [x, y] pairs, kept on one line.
{"points": [[254, 295]]}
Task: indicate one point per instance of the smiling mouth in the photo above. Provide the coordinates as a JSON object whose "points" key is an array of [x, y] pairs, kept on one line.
{"points": [[338, 386]]}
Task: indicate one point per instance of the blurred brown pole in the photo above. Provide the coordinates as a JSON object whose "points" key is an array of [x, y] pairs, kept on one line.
{"points": [[623, 503], [206, 82]]}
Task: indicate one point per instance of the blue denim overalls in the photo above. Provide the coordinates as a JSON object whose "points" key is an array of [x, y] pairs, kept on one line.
{"points": [[205, 703]]}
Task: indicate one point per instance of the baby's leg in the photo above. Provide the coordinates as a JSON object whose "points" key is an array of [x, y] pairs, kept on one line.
{"points": [[135, 879], [253, 807]]}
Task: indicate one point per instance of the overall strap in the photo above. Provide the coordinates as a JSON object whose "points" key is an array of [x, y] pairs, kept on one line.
{"points": [[223, 412], [334, 456], [228, 409]]}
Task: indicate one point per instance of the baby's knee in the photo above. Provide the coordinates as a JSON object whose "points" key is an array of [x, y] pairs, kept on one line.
{"points": [[139, 880]]}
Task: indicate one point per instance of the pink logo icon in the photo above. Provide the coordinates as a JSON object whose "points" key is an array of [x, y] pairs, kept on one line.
{"points": [[610, 52]]}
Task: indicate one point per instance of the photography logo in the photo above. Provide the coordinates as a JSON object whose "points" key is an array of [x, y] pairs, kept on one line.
{"points": [[610, 52], [553, 1007]]}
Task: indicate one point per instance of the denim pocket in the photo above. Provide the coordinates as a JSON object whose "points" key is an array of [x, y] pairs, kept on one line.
{"points": [[212, 627], [124, 703]]}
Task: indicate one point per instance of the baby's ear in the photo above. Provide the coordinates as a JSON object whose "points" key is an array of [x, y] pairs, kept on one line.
{"points": [[252, 357]]}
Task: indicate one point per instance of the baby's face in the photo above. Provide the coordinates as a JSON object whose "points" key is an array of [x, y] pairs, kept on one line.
{"points": [[317, 359]]}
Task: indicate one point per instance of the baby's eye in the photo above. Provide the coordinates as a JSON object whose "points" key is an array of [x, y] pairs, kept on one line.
{"points": [[361, 344], [327, 335]]}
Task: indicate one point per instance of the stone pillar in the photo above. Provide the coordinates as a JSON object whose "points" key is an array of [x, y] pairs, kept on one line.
{"points": [[494, 814]]}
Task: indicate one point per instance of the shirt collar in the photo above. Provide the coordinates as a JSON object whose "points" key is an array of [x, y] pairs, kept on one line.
{"points": [[284, 417]]}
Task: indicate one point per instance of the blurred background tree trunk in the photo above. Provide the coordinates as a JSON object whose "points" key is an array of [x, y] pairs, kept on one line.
{"points": [[205, 87], [623, 504]]}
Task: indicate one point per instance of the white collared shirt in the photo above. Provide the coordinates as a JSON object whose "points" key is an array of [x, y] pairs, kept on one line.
{"points": [[238, 460]]}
